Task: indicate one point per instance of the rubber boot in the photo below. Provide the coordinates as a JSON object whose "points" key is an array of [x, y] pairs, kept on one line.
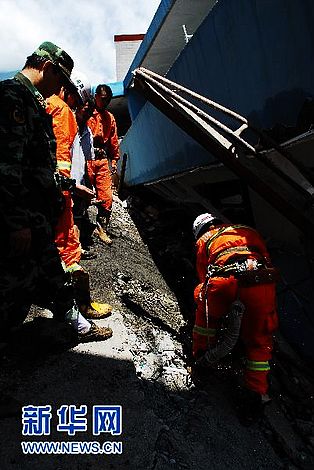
{"points": [[92, 310], [101, 230], [250, 406]]}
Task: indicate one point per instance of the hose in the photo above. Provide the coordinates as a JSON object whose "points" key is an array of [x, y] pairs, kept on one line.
{"points": [[230, 337]]}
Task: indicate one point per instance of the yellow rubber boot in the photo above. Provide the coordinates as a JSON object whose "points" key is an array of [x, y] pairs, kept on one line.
{"points": [[97, 310]]}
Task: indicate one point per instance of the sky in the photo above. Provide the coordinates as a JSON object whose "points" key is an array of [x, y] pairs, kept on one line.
{"points": [[84, 28]]}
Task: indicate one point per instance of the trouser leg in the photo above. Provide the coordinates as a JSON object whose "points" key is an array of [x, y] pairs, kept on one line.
{"points": [[67, 235], [221, 292], [54, 288], [17, 286], [204, 332], [102, 225], [104, 185], [80, 280], [258, 325]]}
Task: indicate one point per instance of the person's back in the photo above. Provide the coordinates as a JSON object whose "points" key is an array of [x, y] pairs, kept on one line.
{"points": [[28, 164], [29, 196], [224, 242], [65, 129], [237, 286]]}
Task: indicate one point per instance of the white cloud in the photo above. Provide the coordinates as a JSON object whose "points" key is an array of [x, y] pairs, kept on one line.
{"points": [[84, 28]]}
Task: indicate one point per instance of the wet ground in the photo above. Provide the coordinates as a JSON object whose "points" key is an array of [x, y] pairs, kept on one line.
{"points": [[168, 422]]}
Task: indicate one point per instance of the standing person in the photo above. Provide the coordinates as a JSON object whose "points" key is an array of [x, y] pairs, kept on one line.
{"points": [[30, 267], [65, 129], [104, 167], [82, 151], [66, 233], [236, 279]]}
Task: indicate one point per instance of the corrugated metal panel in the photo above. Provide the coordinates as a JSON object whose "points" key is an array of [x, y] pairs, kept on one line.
{"points": [[252, 56]]}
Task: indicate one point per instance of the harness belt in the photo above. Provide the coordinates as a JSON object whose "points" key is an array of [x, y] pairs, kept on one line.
{"points": [[251, 250], [248, 272]]}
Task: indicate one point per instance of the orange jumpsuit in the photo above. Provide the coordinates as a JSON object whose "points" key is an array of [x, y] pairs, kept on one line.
{"points": [[104, 129], [217, 247], [66, 233]]}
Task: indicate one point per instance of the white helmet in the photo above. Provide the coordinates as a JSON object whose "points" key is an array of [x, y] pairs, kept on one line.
{"points": [[83, 85], [201, 221]]}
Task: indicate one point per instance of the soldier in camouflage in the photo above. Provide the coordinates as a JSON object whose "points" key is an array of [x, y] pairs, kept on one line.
{"points": [[30, 196]]}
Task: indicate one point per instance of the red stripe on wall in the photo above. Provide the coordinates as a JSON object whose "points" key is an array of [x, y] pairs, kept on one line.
{"points": [[128, 37]]}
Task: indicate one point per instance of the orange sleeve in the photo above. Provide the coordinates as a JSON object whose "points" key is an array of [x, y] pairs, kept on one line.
{"points": [[201, 259], [92, 123], [113, 143], [65, 129]]}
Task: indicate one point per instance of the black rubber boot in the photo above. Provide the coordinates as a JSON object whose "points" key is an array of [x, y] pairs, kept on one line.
{"points": [[250, 406], [80, 282]]}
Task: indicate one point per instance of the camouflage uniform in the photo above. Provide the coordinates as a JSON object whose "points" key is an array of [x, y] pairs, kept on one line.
{"points": [[29, 198]]}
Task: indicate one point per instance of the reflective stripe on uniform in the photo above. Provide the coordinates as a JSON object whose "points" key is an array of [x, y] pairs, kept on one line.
{"points": [[232, 249], [223, 230], [63, 165], [73, 267], [257, 365], [204, 331]]}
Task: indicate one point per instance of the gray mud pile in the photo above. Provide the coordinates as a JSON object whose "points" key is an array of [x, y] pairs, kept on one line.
{"points": [[168, 422]]}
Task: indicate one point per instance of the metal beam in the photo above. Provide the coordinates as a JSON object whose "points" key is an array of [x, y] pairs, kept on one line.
{"points": [[287, 199]]}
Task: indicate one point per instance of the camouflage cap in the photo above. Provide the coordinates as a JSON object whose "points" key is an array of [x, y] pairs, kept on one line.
{"points": [[58, 57]]}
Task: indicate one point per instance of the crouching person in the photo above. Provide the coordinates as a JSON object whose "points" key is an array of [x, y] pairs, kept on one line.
{"points": [[237, 286]]}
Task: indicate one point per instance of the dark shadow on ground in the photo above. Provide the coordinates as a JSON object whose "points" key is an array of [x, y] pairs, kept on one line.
{"points": [[162, 428]]}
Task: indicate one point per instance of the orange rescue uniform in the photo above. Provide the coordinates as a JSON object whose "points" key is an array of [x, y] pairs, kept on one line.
{"points": [[222, 246], [65, 129], [104, 129]]}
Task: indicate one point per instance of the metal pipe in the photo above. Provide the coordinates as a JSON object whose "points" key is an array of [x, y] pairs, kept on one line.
{"points": [[209, 102], [233, 136]]}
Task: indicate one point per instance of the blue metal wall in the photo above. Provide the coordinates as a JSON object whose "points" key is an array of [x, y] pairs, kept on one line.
{"points": [[254, 56]]}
